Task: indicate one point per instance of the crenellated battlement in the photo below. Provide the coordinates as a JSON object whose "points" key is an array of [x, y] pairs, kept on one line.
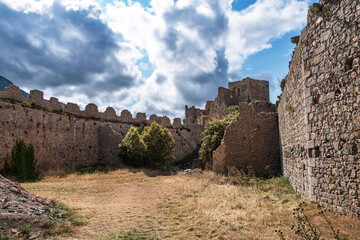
{"points": [[66, 138], [36, 98]]}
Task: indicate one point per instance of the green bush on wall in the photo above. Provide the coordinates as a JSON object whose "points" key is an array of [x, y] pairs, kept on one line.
{"points": [[22, 162], [212, 136]]}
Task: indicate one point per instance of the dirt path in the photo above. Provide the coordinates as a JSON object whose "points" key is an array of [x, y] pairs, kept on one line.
{"points": [[108, 202], [140, 205]]}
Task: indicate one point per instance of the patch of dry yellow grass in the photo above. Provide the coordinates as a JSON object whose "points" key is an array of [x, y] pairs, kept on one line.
{"points": [[203, 206]]}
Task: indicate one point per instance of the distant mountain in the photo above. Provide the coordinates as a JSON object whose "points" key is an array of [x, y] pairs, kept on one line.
{"points": [[4, 82]]}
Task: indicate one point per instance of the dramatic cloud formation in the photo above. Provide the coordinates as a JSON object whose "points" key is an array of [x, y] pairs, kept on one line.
{"points": [[153, 59]]}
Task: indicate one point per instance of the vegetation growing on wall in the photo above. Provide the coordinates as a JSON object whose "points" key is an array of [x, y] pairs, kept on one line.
{"points": [[154, 146], [22, 162], [212, 136]]}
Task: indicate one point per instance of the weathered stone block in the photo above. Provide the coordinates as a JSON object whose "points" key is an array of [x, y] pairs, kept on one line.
{"points": [[36, 97], [177, 123], [141, 118], [110, 113], [72, 108], [91, 110], [12, 92], [126, 116], [154, 118], [165, 122], [54, 104]]}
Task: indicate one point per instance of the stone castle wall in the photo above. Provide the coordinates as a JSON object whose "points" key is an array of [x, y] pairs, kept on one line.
{"points": [[67, 138], [250, 89], [250, 144], [319, 118], [245, 91]]}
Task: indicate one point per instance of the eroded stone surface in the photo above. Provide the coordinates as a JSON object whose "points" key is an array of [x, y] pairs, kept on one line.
{"points": [[319, 109], [251, 144]]}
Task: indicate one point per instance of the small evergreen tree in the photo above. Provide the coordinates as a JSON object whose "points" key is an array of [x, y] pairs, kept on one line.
{"points": [[160, 144], [133, 150], [212, 136], [23, 161]]}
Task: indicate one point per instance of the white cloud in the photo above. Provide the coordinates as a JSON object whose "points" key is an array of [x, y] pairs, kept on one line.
{"points": [[193, 45], [251, 29]]}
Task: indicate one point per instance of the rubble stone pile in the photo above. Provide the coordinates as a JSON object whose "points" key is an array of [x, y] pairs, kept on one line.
{"points": [[19, 208]]}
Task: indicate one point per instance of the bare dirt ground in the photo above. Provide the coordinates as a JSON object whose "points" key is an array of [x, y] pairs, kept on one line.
{"points": [[136, 204]]}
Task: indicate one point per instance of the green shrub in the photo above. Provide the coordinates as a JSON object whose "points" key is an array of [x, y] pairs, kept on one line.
{"points": [[159, 143], [315, 10], [48, 224], [52, 212], [212, 136], [133, 149], [289, 108], [75, 221], [154, 146], [22, 162], [25, 230]]}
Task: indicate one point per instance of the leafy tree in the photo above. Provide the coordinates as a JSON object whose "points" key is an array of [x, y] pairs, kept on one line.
{"points": [[212, 136], [154, 146], [160, 144], [23, 161], [133, 149]]}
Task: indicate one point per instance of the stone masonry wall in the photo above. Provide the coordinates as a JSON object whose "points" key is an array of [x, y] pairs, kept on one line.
{"points": [[250, 144], [319, 108], [237, 92], [59, 141], [68, 138], [250, 89]]}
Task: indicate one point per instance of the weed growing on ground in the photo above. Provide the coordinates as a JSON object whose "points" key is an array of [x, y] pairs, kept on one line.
{"points": [[53, 212], [48, 224], [306, 229], [25, 230], [56, 231], [133, 234], [70, 215], [76, 221]]}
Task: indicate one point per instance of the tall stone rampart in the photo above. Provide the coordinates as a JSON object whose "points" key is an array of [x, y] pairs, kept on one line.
{"points": [[67, 138], [319, 117]]}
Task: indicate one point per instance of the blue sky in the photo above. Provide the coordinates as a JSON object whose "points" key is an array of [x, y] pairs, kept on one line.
{"points": [[146, 56]]}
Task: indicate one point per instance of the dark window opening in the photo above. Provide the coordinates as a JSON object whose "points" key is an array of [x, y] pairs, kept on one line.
{"points": [[337, 92], [354, 149], [348, 64], [316, 152]]}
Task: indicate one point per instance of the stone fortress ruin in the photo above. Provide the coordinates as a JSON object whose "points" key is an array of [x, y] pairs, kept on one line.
{"points": [[246, 91], [252, 142], [313, 139], [68, 138]]}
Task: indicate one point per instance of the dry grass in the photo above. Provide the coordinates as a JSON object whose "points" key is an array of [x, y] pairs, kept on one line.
{"points": [[126, 204]]}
